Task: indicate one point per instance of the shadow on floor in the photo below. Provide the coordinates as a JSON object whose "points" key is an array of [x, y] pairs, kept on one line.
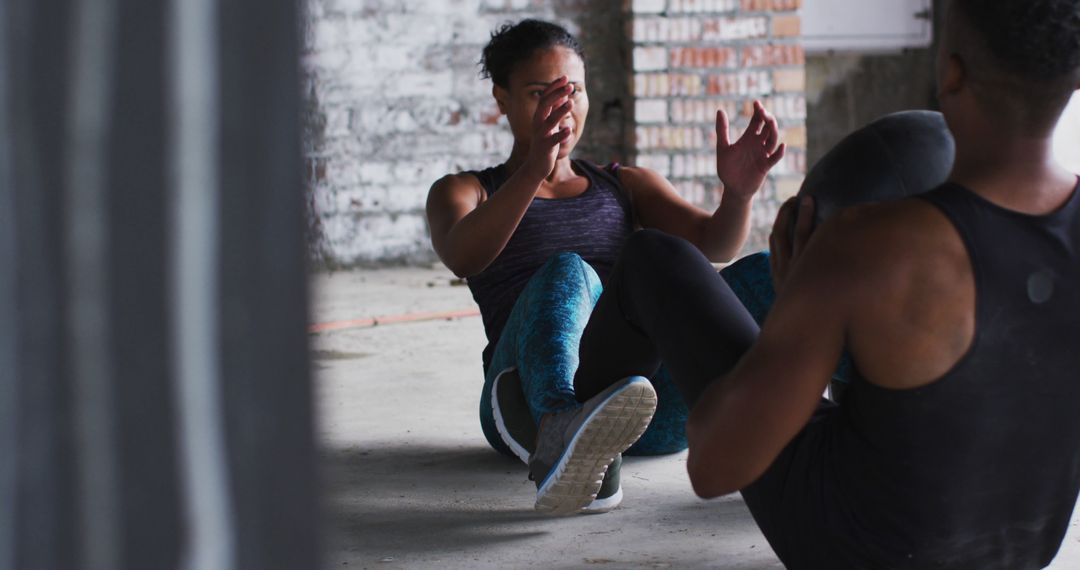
{"points": [[450, 506], [425, 498]]}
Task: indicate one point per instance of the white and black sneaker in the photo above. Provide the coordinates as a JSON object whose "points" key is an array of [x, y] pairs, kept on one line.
{"points": [[610, 494], [513, 419], [517, 428], [576, 447]]}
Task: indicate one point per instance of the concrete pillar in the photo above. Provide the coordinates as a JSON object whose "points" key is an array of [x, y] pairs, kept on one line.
{"points": [[155, 397]]}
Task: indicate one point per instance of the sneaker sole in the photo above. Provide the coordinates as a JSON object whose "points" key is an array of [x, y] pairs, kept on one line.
{"points": [[500, 422], [610, 429]]}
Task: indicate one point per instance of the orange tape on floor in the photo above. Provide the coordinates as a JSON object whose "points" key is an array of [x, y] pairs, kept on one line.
{"points": [[391, 319]]}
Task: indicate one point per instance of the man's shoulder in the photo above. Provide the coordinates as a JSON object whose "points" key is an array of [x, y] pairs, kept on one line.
{"points": [[902, 229], [906, 290], [884, 246]]}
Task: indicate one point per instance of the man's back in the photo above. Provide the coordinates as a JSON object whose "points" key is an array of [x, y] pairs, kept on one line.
{"points": [[958, 445]]}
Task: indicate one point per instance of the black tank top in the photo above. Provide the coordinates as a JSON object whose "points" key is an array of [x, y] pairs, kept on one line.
{"points": [[593, 224], [979, 469]]}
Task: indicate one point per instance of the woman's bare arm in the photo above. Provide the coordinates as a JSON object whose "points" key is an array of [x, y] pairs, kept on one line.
{"points": [[469, 230], [741, 166]]}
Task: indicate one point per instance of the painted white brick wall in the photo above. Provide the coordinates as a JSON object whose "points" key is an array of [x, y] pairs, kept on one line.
{"points": [[394, 101]]}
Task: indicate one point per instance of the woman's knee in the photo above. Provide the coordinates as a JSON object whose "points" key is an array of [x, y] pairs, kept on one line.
{"points": [[649, 249], [567, 267]]}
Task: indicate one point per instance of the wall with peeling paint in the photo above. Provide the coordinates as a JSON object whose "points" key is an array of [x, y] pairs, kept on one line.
{"points": [[394, 101]]}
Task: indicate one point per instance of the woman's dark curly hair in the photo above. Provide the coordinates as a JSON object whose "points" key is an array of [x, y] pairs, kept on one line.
{"points": [[513, 43]]}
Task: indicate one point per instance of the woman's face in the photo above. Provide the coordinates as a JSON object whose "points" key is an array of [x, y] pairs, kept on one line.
{"points": [[528, 81]]}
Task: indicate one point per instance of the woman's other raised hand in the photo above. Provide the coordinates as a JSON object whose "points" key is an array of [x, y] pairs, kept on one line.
{"points": [[743, 165]]}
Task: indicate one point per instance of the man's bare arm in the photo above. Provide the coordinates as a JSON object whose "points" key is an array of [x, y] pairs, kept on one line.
{"points": [[742, 422], [901, 300]]}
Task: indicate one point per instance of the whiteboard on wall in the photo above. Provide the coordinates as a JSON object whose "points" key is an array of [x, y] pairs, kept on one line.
{"points": [[867, 25]]}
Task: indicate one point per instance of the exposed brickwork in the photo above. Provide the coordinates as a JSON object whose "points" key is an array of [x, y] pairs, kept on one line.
{"points": [[394, 101], [714, 57], [786, 26], [772, 55], [694, 56]]}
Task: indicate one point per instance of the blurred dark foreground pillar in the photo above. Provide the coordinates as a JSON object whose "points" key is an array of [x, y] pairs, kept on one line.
{"points": [[155, 400]]}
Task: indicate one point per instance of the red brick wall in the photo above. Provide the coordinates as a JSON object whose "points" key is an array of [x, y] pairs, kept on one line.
{"points": [[691, 57]]}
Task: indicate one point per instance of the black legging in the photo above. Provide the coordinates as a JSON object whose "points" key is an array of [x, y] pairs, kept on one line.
{"points": [[665, 301]]}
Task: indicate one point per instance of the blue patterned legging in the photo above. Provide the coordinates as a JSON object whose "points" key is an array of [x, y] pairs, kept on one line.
{"points": [[544, 329]]}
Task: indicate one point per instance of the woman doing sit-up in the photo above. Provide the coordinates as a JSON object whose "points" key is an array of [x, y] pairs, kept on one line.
{"points": [[537, 235]]}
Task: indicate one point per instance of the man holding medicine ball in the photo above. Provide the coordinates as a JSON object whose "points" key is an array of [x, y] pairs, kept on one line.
{"points": [[957, 444]]}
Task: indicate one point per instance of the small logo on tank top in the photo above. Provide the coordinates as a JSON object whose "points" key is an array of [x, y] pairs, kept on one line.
{"points": [[1040, 287]]}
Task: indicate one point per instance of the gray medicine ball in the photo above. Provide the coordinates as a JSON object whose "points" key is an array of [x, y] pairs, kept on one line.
{"points": [[897, 156]]}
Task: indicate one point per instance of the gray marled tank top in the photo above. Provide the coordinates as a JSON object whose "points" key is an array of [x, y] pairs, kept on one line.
{"points": [[593, 225]]}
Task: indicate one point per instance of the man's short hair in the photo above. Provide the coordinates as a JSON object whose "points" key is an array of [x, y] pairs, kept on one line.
{"points": [[1022, 56]]}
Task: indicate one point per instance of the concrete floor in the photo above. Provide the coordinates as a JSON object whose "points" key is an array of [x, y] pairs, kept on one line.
{"points": [[411, 483]]}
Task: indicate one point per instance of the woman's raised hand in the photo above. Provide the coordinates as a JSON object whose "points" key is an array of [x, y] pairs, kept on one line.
{"points": [[742, 166], [555, 104]]}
